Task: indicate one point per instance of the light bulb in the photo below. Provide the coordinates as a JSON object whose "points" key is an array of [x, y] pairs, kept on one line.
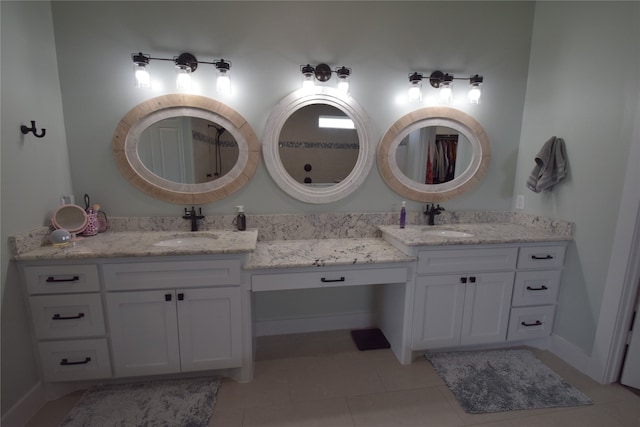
{"points": [[223, 84], [307, 81], [446, 94], [143, 79], [474, 94], [141, 69], [183, 79], [343, 86], [415, 93], [343, 79], [415, 87]]}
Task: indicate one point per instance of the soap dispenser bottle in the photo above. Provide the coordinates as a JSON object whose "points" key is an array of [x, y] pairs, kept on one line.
{"points": [[403, 214], [241, 220]]}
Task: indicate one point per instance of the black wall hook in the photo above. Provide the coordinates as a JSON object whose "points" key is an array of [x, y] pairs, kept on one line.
{"points": [[25, 130]]}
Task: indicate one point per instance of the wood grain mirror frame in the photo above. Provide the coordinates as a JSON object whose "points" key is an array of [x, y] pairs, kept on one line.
{"points": [[127, 136], [433, 116]]}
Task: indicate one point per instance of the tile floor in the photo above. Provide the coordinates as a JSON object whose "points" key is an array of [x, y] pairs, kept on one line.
{"points": [[321, 379]]}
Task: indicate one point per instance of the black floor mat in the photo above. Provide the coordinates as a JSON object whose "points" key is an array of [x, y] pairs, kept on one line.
{"points": [[369, 339]]}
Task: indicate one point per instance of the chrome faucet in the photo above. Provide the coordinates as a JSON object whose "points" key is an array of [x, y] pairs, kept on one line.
{"points": [[193, 217], [432, 211]]}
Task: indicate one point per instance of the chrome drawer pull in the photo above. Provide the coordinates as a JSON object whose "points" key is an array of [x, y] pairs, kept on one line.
{"points": [[541, 288], [538, 323], [323, 280], [58, 317], [541, 257], [65, 362], [52, 279]]}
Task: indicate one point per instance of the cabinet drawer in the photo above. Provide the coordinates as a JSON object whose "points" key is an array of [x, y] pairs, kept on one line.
{"points": [[326, 278], [530, 322], [57, 279], [466, 260], [75, 360], [66, 316], [541, 257], [176, 274], [536, 287]]}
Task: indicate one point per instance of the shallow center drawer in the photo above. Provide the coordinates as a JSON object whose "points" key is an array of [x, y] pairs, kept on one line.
{"points": [[466, 260], [327, 278]]}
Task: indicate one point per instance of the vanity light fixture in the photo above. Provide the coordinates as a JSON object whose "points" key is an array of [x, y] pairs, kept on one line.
{"points": [[185, 63], [415, 87], [475, 93], [141, 70], [223, 83], [322, 73], [444, 82]]}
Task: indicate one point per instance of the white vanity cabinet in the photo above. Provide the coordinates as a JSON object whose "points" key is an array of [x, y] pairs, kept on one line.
{"points": [[485, 295], [68, 320], [535, 291], [174, 316], [470, 305]]}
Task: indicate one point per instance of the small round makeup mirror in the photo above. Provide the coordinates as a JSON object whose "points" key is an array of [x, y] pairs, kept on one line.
{"points": [[70, 217]]}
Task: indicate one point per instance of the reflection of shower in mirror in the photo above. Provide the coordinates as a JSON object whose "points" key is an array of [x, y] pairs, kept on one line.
{"points": [[187, 150]]}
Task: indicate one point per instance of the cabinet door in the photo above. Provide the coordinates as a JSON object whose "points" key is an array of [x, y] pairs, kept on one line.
{"points": [[209, 323], [144, 332], [438, 306], [486, 308]]}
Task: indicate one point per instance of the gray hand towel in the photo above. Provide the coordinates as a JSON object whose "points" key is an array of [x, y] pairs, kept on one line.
{"points": [[550, 168]]}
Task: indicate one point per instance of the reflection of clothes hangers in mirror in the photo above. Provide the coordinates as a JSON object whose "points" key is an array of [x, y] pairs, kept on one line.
{"points": [[25, 130]]}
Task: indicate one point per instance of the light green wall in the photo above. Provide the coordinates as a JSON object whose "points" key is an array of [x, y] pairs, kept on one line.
{"points": [[35, 172], [583, 87], [266, 43], [574, 45]]}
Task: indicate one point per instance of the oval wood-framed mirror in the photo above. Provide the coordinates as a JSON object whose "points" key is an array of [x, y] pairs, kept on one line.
{"points": [[455, 122], [132, 126], [326, 191]]}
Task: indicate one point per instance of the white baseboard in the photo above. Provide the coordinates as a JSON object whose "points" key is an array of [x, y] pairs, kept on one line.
{"points": [[25, 408], [313, 324], [570, 353]]}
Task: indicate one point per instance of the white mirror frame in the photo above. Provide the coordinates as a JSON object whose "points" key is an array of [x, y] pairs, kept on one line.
{"points": [[270, 147], [433, 116], [127, 136]]}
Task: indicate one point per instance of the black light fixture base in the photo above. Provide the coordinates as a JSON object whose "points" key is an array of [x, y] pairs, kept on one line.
{"points": [[188, 60], [436, 78], [323, 72]]}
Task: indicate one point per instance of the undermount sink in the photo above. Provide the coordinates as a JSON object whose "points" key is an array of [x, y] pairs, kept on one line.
{"points": [[185, 241], [448, 233]]}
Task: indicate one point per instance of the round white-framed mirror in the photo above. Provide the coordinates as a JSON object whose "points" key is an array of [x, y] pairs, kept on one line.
{"points": [[131, 128], [425, 190], [343, 182]]}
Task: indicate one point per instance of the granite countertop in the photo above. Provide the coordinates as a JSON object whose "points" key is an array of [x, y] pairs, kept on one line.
{"points": [[298, 241], [141, 243], [483, 233], [324, 252]]}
